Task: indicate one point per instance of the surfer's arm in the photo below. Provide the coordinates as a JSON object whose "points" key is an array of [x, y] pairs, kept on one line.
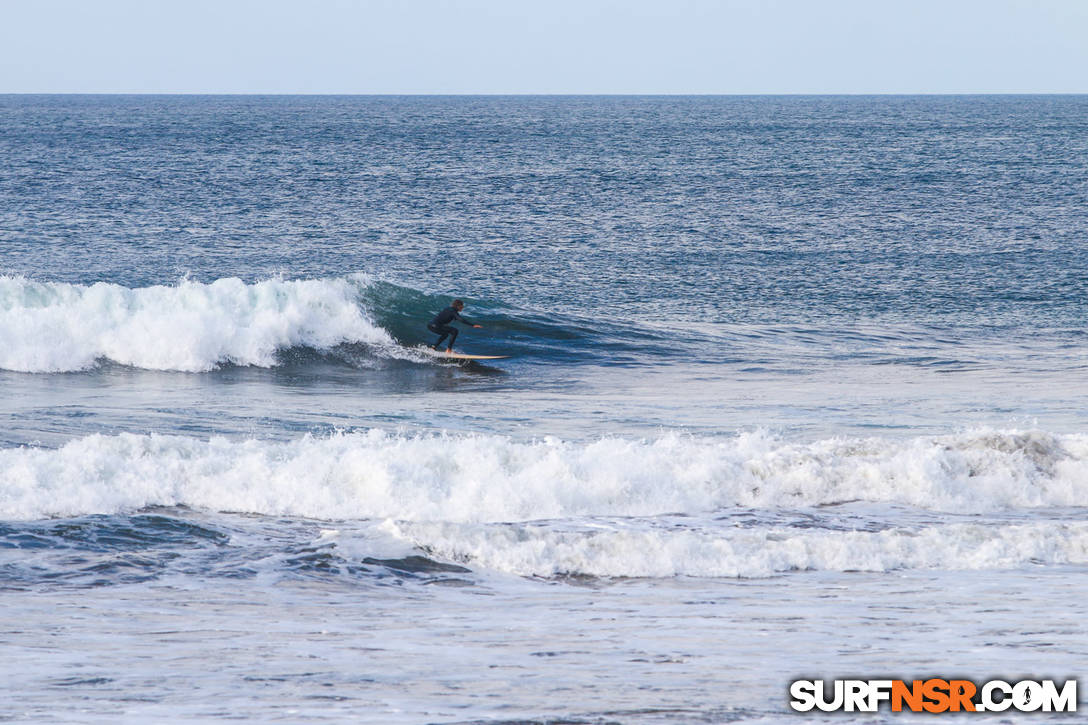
{"points": [[470, 323]]}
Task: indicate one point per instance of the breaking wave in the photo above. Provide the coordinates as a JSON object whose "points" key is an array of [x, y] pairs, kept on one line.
{"points": [[489, 478], [60, 327]]}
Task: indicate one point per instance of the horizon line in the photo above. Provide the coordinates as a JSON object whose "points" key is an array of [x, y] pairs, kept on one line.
{"points": [[540, 95]]}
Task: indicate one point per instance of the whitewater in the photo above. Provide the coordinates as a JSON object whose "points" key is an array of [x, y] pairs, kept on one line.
{"points": [[58, 327], [795, 389], [476, 478]]}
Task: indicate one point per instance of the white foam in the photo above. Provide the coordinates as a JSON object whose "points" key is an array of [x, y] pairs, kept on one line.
{"points": [[54, 327], [625, 551], [489, 478]]}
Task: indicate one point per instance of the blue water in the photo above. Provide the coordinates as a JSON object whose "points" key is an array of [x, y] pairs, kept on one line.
{"points": [[763, 351]]}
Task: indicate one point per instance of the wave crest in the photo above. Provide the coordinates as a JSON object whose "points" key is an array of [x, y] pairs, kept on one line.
{"points": [[194, 327]]}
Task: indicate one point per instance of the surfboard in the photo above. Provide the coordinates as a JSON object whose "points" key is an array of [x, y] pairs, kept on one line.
{"points": [[461, 356]]}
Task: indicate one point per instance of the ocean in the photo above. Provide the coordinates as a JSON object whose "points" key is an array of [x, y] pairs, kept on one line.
{"points": [[797, 388]]}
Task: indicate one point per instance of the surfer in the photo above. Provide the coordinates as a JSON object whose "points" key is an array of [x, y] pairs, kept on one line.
{"points": [[441, 326]]}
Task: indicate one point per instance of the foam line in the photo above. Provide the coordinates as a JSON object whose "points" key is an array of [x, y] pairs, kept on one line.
{"points": [[489, 478], [535, 550]]}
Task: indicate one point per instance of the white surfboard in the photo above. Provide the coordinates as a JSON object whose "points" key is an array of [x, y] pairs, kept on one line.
{"points": [[461, 356]]}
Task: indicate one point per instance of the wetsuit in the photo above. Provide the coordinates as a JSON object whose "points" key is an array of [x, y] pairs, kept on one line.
{"points": [[441, 326]]}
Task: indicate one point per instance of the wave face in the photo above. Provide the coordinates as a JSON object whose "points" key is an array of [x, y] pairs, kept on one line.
{"points": [[59, 327], [485, 478], [354, 320]]}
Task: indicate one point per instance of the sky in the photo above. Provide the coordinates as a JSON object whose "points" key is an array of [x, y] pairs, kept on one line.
{"points": [[543, 46]]}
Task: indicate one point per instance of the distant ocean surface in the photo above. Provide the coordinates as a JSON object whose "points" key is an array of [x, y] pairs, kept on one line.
{"points": [[797, 388]]}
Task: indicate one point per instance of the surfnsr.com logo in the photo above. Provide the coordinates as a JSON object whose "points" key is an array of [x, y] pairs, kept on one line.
{"points": [[933, 695]]}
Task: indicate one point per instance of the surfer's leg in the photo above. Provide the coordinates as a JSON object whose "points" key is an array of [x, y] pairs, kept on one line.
{"points": [[439, 330], [453, 336], [443, 331]]}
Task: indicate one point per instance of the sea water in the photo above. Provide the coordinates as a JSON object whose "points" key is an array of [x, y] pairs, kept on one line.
{"points": [[796, 389]]}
